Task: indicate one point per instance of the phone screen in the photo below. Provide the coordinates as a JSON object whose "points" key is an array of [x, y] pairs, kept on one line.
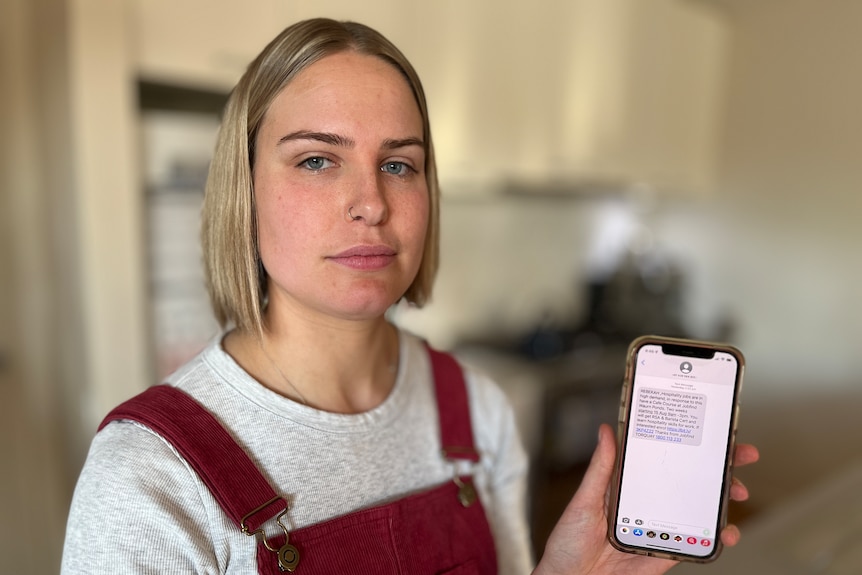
{"points": [[676, 450]]}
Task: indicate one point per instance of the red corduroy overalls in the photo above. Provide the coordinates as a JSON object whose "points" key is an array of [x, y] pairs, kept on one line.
{"points": [[442, 530]]}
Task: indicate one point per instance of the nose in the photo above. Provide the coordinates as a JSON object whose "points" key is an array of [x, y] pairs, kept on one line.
{"points": [[368, 201]]}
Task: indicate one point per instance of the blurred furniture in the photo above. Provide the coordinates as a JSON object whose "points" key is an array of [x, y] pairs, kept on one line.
{"points": [[558, 402]]}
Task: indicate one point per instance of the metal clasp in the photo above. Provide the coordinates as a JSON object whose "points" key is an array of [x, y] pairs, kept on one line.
{"points": [[288, 555], [467, 495]]}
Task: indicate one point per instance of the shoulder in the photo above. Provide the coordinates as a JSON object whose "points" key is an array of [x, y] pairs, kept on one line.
{"points": [[494, 422], [125, 456], [486, 397], [135, 482], [492, 417]]}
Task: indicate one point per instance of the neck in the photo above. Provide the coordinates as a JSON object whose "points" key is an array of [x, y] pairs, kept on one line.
{"points": [[347, 368]]}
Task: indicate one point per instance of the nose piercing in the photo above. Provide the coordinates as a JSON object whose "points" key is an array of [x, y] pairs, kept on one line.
{"points": [[351, 216]]}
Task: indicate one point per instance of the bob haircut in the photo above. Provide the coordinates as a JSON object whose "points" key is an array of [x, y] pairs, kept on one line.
{"points": [[236, 279]]}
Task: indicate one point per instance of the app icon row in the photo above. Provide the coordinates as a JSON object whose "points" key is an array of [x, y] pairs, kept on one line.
{"points": [[638, 532]]}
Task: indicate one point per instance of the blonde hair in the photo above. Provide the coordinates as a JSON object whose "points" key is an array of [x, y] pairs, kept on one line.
{"points": [[236, 279]]}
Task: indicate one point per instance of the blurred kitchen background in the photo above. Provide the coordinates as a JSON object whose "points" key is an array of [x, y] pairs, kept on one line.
{"points": [[609, 168]]}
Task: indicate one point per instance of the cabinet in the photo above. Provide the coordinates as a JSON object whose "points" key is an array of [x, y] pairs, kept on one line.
{"points": [[586, 94], [643, 95], [203, 44], [544, 94]]}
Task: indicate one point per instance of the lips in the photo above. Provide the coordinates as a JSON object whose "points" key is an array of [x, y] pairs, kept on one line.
{"points": [[365, 257]]}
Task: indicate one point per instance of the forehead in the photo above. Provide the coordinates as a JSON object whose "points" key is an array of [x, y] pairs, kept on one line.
{"points": [[347, 85]]}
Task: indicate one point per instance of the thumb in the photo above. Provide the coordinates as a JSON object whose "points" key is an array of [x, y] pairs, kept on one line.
{"points": [[596, 480]]}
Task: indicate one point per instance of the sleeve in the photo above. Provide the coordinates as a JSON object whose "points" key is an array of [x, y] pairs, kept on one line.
{"points": [[137, 508], [506, 465]]}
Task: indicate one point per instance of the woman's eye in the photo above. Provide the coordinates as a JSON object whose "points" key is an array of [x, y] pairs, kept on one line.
{"points": [[395, 168], [316, 163]]}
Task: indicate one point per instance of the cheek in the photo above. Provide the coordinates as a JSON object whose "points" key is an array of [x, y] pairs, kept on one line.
{"points": [[283, 227], [419, 222], [271, 220]]}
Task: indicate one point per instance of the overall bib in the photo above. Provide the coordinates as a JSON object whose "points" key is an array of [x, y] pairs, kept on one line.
{"points": [[442, 530]]}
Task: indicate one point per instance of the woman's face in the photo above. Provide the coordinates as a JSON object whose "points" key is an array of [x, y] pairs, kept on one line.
{"points": [[345, 134]]}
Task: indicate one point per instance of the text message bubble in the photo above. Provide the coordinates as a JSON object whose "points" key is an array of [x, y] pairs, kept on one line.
{"points": [[671, 416]]}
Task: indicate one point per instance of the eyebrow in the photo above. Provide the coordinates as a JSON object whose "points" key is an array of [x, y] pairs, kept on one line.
{"points": [[325, 137], [395, 144], [337, 140]]}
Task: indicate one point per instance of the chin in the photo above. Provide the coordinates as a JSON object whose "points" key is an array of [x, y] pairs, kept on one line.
{"points": [[368, 307]]}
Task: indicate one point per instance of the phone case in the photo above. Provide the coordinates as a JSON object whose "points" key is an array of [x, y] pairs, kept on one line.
{"points": [[623, 420]]}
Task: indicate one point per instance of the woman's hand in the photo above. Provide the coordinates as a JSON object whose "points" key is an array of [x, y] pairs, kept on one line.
{"points": [[579, 542]]}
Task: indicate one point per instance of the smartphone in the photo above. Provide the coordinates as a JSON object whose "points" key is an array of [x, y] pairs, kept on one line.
{"points": [[677, 432]]}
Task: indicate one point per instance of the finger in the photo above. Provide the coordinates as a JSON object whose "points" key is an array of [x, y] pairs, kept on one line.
{"points": [[738, 491], [730, 535], [745, 454]]}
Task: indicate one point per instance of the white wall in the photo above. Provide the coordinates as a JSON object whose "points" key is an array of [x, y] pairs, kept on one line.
{"points": [[108, 203]]}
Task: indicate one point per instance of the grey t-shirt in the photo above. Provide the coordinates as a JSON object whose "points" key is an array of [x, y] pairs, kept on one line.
{"points": [[140, 508]]}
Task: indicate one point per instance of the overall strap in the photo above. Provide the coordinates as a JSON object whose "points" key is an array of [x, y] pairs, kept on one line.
{"points": [[453, 407], [232, 478]]}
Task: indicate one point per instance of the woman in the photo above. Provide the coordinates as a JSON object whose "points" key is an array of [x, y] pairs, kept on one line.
{"points": [[321, 212]]}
